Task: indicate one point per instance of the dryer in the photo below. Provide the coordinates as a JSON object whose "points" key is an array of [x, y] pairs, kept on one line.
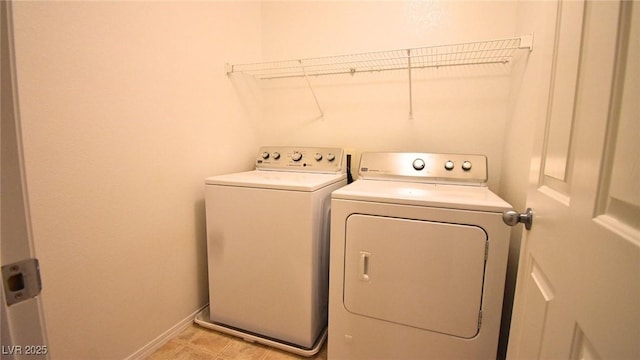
{"points": [[268, 244], [418, 260]]}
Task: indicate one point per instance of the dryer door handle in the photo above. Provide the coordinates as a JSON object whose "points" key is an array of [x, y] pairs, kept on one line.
{"points": [[364, 265]]}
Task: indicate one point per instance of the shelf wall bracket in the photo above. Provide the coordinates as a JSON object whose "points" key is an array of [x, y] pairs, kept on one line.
{"points": [[306, 76], [526, 42], [410, 85]]}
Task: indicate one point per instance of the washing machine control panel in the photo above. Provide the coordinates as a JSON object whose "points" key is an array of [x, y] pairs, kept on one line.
{"points": [[303, 159], [467, 169]]}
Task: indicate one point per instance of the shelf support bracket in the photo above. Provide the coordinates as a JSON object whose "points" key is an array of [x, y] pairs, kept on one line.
{"points": [[306, 76], [410, 85]]}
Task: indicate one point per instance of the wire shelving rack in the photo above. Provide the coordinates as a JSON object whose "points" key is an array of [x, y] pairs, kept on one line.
{"points": [[499, 51]]}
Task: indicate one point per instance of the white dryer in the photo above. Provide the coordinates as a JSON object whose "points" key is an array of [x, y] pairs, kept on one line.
{"points": [[418, 260], [268, 244]]}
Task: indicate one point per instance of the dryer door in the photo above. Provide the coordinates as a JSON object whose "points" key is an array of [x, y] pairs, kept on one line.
{"points": [[418, 273]]}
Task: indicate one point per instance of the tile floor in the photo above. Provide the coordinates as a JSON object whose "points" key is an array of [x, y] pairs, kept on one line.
{"points": [[196, 343]]}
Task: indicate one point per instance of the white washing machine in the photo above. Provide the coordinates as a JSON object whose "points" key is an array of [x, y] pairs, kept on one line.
{"points": [[268, 244], [418, 260]]}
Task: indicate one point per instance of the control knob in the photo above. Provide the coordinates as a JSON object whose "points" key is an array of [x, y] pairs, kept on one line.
{"points": [[331, 157], [449, 165], [276, 155], [296, 156], [318, 157], [466, 165], [265, 155], [418, 164]]}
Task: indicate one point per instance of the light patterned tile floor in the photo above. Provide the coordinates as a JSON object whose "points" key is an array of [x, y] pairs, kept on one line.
{"points": [[196, 343]]}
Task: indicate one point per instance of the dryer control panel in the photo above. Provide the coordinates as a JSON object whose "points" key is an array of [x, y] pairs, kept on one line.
{"points": [[465, 169], [300, 159]]}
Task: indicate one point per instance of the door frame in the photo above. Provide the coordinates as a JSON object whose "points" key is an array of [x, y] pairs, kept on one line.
{"points": [[23, 329]]}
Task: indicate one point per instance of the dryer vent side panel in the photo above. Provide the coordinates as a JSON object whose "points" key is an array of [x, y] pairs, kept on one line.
{"points": [[417, 273]]}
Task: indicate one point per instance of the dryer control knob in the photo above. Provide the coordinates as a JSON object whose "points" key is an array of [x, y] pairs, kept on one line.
{"points": [[296, 156], [276, 155], [418, 164], [466, 166], [449, 165], [331, 157], [265, 155], [318, 157]]}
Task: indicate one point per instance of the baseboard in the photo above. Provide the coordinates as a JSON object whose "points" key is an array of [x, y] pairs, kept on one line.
{"points": [[156, 343]]}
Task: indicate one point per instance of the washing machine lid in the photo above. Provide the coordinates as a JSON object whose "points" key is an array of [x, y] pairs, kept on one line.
{"points": [[478, 198], [279, 180]]}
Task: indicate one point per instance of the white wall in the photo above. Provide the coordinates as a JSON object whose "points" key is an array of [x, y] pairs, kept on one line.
{"points": [[480, 109], [455, 109], [126, 109]]}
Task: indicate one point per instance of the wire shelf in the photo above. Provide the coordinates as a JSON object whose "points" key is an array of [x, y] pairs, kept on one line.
{"points": [[472, 53]]}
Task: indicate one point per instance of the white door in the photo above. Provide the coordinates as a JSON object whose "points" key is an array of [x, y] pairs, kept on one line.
{"points": [[578, 290], [21, 314]]}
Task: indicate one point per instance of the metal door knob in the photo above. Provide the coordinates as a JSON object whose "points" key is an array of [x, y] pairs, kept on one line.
{"points": [[513, 218]]}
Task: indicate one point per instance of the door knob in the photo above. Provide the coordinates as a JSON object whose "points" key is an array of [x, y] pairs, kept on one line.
{"points": [[512, 218]]}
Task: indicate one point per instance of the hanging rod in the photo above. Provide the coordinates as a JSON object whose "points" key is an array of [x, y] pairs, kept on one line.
{"points": [[471, 53]]}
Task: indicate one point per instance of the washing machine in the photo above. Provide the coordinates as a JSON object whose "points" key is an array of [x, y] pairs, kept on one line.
{"points": [[267, 247], [418, 260]]}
